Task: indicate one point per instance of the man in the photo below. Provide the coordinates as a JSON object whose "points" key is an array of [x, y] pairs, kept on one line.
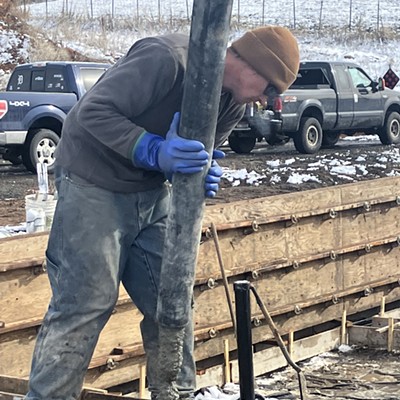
{"points": [[118, 146]]}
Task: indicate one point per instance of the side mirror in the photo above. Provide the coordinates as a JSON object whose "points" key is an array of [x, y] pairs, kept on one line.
{"points": [[374, 86]]}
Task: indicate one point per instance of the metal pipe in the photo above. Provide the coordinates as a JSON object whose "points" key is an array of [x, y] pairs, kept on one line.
{"points": [[199, 113], [244, 340]]}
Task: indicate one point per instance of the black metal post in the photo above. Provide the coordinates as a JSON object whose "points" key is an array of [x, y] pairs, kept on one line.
{"points": [[244, 340]]}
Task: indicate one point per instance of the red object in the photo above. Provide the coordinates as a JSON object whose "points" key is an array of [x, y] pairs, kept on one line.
{"points": [[390, 78], [3, 108], [278, 104]]}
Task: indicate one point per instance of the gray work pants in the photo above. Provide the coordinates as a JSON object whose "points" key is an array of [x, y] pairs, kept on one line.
{"points": [[98, 239]]}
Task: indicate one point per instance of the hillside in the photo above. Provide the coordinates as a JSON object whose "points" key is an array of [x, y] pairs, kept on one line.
{"points": [[44, 30], [22, 43]]}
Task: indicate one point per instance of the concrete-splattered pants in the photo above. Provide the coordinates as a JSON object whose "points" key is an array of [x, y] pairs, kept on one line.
{"points": [[98, 239]]}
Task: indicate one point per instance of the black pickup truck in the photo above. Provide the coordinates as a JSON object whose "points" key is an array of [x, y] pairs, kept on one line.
{"points": [[35, 104], [326, 100]]}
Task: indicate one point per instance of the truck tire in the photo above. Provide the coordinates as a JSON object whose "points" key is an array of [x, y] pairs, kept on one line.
{"points": [[40, 147], [241, 144], [329, 138], [391, 130], [308, 139]]}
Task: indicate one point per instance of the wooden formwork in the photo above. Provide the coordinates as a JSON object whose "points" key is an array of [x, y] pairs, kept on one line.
{"points": [[314, 257]]}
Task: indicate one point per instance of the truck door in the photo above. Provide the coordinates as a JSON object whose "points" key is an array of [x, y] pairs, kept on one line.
{"points": [[368, 103], [345, 100]]}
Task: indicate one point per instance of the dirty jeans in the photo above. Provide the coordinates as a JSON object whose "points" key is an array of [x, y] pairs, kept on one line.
{"points": [[98, 239]]}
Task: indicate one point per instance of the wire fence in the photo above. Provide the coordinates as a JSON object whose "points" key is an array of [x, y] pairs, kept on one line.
{"points": [[316, 14]]}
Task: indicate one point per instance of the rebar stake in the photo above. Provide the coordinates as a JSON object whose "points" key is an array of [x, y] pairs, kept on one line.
{"points": [[244, 340]]}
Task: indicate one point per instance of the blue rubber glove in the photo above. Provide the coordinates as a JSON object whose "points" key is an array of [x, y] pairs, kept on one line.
{"points": [[214, 174], [169, 155]]}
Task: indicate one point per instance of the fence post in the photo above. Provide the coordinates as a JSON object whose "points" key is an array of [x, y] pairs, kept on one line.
{"points": [[263, 12], [320, 15], [378, 16], [294, 14], [350, 14]]}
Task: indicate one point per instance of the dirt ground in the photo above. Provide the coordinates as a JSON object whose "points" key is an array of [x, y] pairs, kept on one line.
{"points": [[356, 374], [16, 182]]}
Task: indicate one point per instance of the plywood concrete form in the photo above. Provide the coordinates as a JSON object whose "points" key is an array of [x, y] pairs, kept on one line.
{"points": [[310, 255]]}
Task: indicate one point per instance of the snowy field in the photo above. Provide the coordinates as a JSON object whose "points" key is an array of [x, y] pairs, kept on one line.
{"points": [[329, 41], [292, 13]]}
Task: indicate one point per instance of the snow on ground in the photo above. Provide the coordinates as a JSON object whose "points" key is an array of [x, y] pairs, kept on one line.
{"points": [[336, 167]]}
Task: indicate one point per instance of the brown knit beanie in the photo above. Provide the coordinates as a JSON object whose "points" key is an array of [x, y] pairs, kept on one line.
{"points": [[273, 52]]}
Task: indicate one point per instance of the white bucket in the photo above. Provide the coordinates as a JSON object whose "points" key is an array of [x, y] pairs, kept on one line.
{"points": [[39, 212]]}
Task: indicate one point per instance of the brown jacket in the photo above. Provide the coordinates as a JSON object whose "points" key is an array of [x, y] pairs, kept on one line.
{"points": [[141, 92]]}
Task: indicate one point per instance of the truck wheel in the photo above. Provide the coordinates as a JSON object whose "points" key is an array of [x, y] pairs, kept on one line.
{"points": [[241, 144], [391, 129], [40, 147], [330, 138], [308, 139]]}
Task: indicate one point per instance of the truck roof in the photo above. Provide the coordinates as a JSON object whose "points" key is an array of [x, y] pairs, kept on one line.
{"points": [[330, 63]]}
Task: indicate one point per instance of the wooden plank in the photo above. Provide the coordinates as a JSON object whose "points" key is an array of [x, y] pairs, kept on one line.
{"points": [[13, 384], [368, 336], [292, 203], [89, 394], [24, 296], [22, 247], [10, 396], [271, 359], [17, 347], [15, 249]]}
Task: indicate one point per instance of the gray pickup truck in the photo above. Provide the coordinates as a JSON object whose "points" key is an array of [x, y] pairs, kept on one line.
{"points": [[35, 104], [326, 100]]}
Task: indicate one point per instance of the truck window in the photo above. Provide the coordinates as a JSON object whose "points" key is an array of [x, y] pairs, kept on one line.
{"points": [[55, 80], [37, 84], [310, 77], [90, 76], [20, 80], [359, 78], [342, 78]]}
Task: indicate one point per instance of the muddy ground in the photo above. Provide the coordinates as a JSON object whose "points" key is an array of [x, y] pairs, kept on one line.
{"points": [[355, 374], [16, 182]]}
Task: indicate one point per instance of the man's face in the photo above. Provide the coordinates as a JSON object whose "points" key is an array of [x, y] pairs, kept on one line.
{"points": [[250, 87]]}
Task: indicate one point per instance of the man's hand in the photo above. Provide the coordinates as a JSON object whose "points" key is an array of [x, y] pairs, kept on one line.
{"points": [[177, 154], [170, 155], [214, 174]]}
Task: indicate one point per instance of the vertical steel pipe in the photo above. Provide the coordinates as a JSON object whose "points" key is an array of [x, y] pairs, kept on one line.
{"points": [[201, 96], [244, 340]]}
